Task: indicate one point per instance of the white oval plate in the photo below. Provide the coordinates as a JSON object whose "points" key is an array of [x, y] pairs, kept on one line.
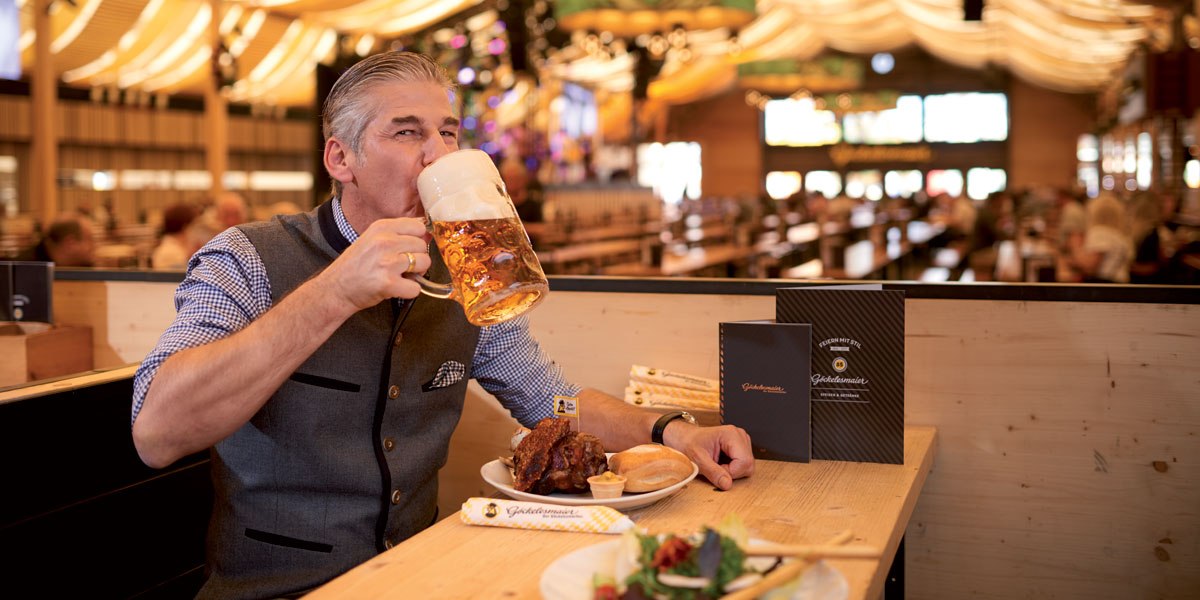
{"points": [[500, 477], [570, 576]]}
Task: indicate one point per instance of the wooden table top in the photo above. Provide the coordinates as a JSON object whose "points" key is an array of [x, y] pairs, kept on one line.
{"points": [[782, 502]]}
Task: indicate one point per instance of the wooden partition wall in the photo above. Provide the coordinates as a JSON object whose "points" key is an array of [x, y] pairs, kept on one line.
{"points": [[120, 137], [1068, 459]]}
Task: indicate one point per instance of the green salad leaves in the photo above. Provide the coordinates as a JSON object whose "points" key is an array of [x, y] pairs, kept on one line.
{"points": [[696, 566]]}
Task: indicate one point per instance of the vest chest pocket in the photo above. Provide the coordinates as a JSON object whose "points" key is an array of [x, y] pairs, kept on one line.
{"points": [[448, 374]]}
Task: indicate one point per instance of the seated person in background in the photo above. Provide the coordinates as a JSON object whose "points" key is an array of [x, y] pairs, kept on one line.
{"points": [[1072, 220], [962, 216], [1151, 255], [231, 210], [68, 242], [817, 207], [283, 207], [517, 182], [840, 208], [793, 209], [175, 246], [993, 224], [227, 210], [957, 214], [1107, 250]]}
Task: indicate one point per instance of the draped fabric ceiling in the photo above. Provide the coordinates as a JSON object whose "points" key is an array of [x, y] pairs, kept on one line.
{"points": [[164, 46]]}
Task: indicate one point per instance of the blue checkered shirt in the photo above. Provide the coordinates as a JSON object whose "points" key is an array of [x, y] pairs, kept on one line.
{"points": [[226, 288]]}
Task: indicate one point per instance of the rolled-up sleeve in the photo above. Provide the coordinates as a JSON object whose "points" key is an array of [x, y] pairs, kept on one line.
{"points": [[510, 364], [225, 289]]}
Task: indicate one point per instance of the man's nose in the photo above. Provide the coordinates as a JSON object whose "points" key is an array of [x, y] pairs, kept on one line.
{"points": [[437, 147]]}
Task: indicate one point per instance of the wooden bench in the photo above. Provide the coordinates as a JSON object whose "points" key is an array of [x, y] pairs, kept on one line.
{"points": [[590, 258]]}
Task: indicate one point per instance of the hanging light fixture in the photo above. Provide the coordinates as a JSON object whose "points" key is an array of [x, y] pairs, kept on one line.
{"points": [[631, 18], [660, 27]]}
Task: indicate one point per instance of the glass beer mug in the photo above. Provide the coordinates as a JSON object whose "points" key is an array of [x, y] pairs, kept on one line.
{"points": [[494, 273]]}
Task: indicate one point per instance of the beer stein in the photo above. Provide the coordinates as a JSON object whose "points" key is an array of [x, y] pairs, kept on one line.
{"points": [[494, 273]]}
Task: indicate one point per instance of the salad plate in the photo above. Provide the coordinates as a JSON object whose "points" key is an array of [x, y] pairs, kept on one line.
{"points": [[570, 577], [500, 477]]}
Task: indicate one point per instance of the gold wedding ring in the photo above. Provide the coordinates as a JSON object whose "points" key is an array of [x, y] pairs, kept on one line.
{"points": [[412, 262]]}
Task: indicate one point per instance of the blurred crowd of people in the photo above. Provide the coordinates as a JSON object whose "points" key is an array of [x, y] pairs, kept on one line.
{"points": [[1113, 238], [1138, 237], [77, 238]]}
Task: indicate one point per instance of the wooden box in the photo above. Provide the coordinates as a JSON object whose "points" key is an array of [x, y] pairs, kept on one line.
{"points": [[32, 351]]}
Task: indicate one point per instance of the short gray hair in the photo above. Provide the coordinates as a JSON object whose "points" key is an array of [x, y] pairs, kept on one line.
{"points": [[347, 110]]}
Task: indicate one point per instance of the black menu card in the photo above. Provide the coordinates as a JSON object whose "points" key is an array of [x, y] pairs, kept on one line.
{"points": [[857, 379], [764, 386]]}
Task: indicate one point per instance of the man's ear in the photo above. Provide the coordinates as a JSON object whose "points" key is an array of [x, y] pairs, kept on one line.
{"points": [[339, 160]]}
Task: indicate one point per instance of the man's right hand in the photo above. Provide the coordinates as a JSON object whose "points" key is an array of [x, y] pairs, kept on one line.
{"points": [[372, 269]]}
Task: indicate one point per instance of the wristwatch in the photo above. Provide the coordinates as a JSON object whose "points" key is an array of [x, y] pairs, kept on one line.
{"points": [[656, 434]]}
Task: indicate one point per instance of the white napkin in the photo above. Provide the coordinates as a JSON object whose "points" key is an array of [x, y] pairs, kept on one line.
{"points": [[493, 512]]}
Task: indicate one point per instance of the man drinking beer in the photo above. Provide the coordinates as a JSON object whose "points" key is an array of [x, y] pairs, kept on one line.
{"points": [[325, 388]]}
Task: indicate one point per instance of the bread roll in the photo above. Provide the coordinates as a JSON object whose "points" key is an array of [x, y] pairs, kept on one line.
{"points": [[650, 467]]}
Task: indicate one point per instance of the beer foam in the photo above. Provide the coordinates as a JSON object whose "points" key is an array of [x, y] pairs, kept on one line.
{"points": [[476, 201], [464, 185]]}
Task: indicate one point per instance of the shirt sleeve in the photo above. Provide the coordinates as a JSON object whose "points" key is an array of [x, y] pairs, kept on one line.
{"points": [[225, 289], [510, 364]]}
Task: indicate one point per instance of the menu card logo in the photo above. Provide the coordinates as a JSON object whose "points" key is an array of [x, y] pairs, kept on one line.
{"points": [[818, 379], [758, 387]]}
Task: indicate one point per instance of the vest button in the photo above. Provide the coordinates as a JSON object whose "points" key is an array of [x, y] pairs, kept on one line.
{"points": [[388, 544], [388, 444], [394, 392], [395, 496], [399, 338]]}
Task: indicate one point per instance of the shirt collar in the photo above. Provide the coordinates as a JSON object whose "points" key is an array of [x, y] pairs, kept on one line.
{"points": [[343, 225]]}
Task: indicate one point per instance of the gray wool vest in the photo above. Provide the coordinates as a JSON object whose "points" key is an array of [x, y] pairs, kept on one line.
{"points": [[342, 461]]}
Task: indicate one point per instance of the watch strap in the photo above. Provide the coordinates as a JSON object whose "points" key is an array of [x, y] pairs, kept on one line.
{"points": [[656, 433]]}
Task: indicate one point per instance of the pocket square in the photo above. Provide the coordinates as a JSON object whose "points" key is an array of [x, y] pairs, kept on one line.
{"points": [[450, 373]]}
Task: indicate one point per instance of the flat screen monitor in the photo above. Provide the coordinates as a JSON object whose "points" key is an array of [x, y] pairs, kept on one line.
{"points": [[902, 184], [949, 181], [865, 184], [981, 182], [900, 125], [797, 122], [966, 118], [826, 183]]}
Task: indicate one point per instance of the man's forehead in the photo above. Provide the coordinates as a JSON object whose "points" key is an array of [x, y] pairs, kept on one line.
{"points": [[418, 99]]}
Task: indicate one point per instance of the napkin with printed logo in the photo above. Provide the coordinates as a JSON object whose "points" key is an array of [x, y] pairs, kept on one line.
{"points": [[494, 512]]}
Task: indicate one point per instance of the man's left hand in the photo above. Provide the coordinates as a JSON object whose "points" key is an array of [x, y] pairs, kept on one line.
{"points": [[704, 446]]}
